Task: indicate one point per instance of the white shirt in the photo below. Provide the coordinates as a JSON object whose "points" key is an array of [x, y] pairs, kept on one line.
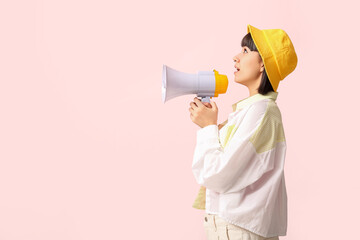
{"points": [[242, 166]]}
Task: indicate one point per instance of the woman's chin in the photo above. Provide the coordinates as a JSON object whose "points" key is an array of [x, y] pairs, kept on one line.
{"points": [[237, 80]]}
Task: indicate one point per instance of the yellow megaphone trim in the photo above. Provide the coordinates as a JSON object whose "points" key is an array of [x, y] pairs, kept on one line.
{"points": [[221, 83]]}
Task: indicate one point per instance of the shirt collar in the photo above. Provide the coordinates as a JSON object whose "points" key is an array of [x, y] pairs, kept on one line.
{"points": [[254, 98]]}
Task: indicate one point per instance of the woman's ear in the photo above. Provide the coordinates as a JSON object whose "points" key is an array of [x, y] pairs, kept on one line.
{"points": [[261, 64]]}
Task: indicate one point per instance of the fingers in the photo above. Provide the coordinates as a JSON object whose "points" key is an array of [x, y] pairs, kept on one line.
{"points": [[193, 105], [198, 102], [207, 104]]}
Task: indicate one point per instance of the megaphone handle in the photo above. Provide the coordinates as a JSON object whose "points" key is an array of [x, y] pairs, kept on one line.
{"points": [[205, 99]]}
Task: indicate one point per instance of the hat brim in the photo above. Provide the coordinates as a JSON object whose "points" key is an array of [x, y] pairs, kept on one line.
{"points": [[265, 51]]}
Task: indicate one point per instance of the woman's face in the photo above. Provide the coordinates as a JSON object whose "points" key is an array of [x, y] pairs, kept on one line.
{"points": [[251, 67]]}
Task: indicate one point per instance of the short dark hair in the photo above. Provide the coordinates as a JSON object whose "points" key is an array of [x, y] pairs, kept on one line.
{"points": [[265, 85]]}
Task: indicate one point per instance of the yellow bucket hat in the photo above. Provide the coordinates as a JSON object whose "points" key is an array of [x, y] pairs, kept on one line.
{"points": [[276, 51]]}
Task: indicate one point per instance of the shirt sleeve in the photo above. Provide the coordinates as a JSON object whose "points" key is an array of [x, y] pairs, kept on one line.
{"points": [[238, 165]]}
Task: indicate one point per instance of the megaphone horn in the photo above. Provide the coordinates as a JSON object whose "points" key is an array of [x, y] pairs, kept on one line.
{"points": [[204, 84]]}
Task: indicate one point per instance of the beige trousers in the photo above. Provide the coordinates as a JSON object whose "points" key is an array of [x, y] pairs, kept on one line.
{"points": [[217, 228]]}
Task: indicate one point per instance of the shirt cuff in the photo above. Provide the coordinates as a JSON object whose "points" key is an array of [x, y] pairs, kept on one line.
{"points": [[208, 134]]}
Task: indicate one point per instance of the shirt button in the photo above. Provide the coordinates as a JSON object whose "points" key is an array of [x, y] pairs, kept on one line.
{"points": [[205, 219]]}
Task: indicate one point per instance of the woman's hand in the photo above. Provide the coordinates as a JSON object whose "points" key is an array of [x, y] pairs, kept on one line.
{"points": [[203, 114]]}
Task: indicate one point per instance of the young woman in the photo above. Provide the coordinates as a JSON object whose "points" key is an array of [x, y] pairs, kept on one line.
{"points": [[240, 163]]}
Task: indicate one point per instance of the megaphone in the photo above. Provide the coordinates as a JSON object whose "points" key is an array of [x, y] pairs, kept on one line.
{"points": [[204, 84]]}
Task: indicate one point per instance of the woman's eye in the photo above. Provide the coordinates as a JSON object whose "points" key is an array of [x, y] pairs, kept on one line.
{"points": [[245, 50]]}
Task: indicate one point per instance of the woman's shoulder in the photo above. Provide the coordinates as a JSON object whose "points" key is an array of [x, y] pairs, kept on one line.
{"points": [[266, 106], [262, 109], [256, 108]]}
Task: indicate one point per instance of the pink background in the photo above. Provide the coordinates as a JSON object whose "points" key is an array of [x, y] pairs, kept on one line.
{"points": [[89, 151]]}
